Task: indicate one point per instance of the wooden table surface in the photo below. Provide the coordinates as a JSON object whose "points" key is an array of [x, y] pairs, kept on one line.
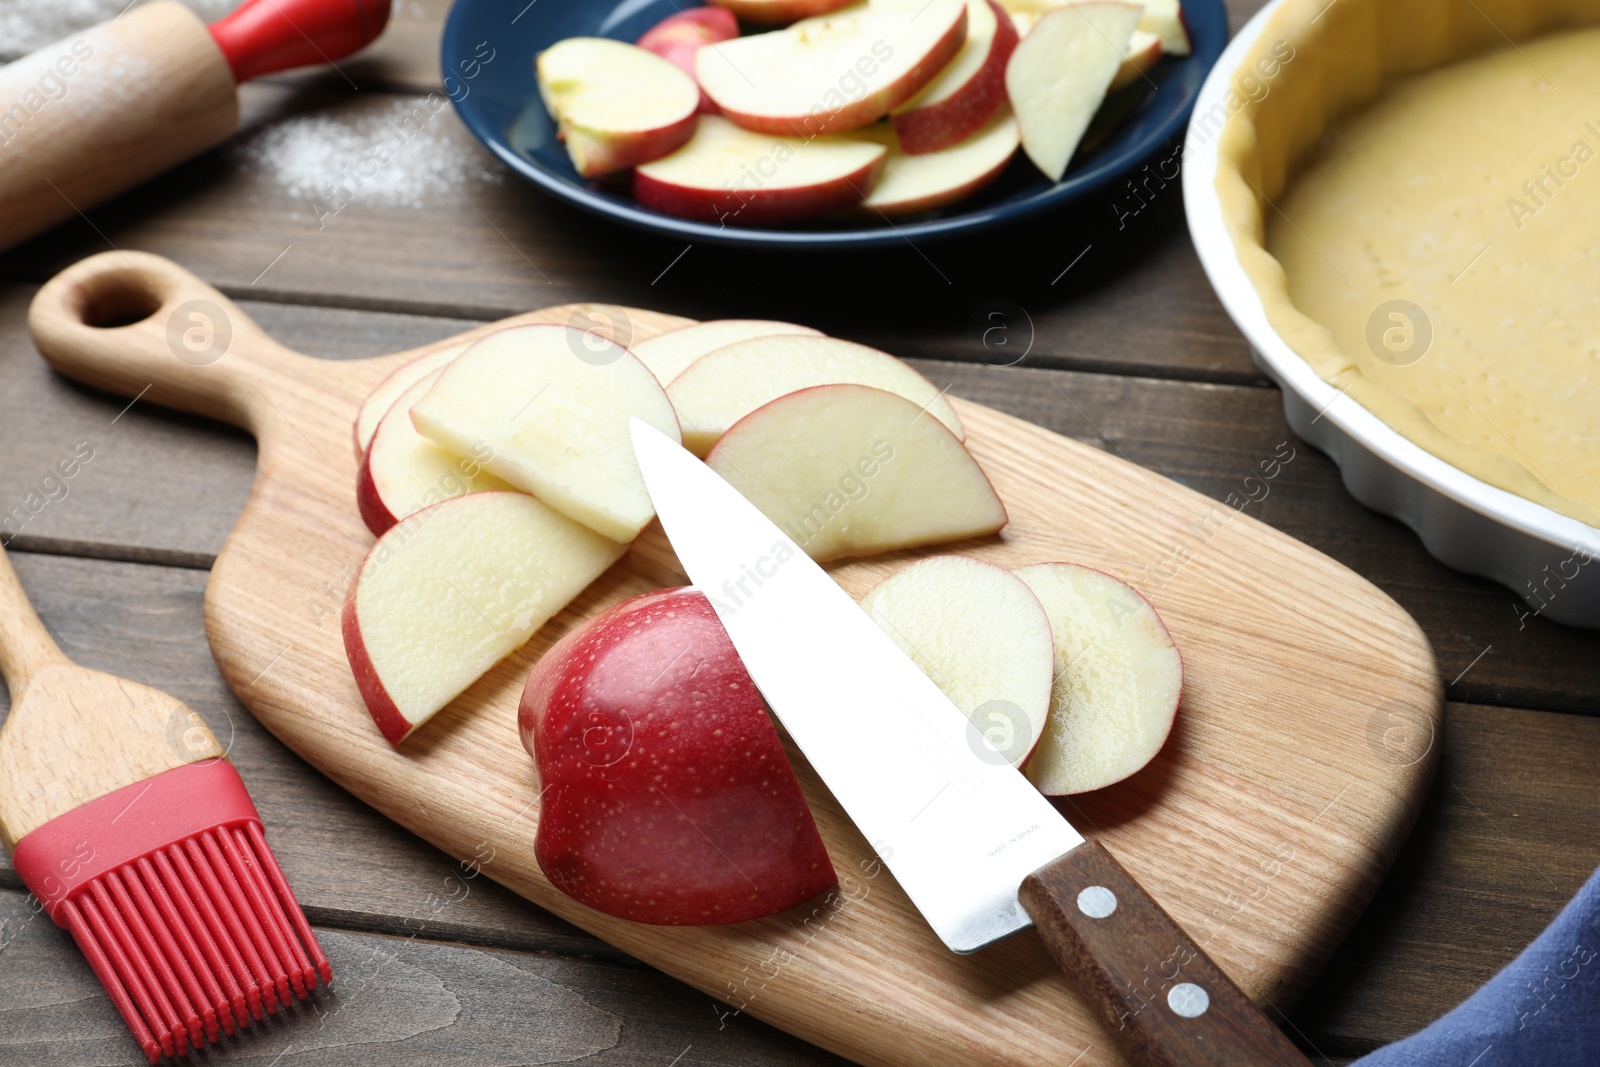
{"points": [[1129, 351]]}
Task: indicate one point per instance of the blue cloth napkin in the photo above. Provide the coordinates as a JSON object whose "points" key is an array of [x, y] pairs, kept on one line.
{"points": [[1543, 1010]]}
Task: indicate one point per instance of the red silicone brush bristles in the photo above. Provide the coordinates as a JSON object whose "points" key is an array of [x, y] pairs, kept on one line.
{"points": [[179, 906]]}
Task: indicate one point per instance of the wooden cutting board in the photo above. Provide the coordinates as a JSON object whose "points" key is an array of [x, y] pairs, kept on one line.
{"points": [[1298, 763]]}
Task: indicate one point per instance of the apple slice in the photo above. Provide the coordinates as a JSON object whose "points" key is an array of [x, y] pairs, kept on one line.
{"points": [[849, 470], [835, 72], [723, 387], [1144, 52], [404, 472], [979, 632], [669, 354], [552, 411], [1166, 20], [910, 184], [1024, 21], [665, 793], [780, 11], [615, 104], [1060, 73], [729, 175], [1117, 685], [679, 36], [386, 392], [452, 590], [967, 93]]}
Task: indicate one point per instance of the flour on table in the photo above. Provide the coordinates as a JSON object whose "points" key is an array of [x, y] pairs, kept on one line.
{"points": [[29, 24], [407, 154]]}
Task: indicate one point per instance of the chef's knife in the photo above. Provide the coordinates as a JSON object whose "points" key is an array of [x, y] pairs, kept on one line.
{"points": [[974, 845]]}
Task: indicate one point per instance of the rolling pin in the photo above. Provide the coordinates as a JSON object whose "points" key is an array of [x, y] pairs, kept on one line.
{"points": [[98, 112]]}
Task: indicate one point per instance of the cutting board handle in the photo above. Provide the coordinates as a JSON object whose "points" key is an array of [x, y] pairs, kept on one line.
{"points": [[142, 326]]}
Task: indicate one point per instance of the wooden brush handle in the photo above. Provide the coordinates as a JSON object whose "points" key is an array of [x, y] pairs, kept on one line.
{"points": [[91, 115], [25, 645], [73, 735], [1162, 999]]}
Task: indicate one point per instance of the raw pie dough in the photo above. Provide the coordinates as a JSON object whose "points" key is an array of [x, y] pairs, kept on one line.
{"points": [[1461, 202]]}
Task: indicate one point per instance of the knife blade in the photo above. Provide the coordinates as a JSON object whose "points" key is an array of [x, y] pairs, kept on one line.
{"points": [[978, 850]]}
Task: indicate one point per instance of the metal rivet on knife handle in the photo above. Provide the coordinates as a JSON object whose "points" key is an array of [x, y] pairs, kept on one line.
{"points": [[1171, 1007]]}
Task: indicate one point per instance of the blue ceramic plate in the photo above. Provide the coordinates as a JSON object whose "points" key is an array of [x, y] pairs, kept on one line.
{"points": [[487, 59]]}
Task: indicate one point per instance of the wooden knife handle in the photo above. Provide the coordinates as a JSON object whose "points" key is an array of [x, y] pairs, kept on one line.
{"points": [[1164, 1001]]}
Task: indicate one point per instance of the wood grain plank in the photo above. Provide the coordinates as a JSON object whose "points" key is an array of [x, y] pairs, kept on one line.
{"points": [[165, 487], [1508, 835], [147, 484], [1502, 843], [400, 999], [464, 787], [487, 245], [349, 866]]}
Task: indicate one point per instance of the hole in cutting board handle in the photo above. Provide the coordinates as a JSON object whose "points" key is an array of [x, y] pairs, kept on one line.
{"points": [[115, 298]]}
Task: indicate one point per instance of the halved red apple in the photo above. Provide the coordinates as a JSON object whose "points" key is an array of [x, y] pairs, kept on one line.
{"points": [[452, 590], [849, 470], [968, 92], [910, 184], [1060, 73], [665, 793], [679, 36], [723, 387], [404, 472], [979, 632], [1118, 680], [669, 354], [386, 392], [735, 177], [551, 405], [615, 104], [835, 72]]}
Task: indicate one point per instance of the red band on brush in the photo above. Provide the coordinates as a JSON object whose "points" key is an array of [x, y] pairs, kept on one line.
{"points": [[64, 855]]}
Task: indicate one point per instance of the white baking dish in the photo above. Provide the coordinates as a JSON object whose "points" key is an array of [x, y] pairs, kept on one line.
{"points": [[1551, 562]]}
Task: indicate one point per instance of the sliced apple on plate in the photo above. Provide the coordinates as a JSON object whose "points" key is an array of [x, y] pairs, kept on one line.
{"points": [[679, 36], [1143, 53], [780, 11], [404, 472], [452, 590], [1061, 71], [665, 793], [723, 387], [669, 354], [616, 105], [551, 405], [967, 93], [386, 392], [834, 72], [732, 176], [849, 470], [910, 184], [1166, 20], [1118, 680], [979, 632]]}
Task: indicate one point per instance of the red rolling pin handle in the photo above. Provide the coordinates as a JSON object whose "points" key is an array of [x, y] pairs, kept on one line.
{"points": [[266, 36]]}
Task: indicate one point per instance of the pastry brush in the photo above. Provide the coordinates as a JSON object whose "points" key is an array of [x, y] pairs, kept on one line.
{"points": [[127, 821]]}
